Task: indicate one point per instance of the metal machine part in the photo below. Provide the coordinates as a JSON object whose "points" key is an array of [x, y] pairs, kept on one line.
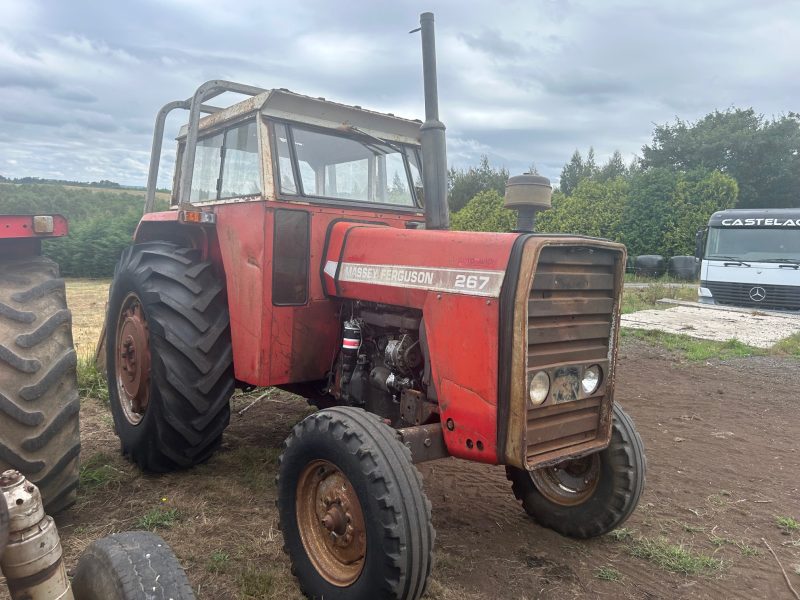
{"points": [[33, 560]]}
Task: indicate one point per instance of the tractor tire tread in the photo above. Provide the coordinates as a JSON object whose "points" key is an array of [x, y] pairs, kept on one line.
{"points": [[39, 405]]}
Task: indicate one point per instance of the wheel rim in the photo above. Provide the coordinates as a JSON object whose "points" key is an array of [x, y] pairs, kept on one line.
{"points": [[331, 523], [133, 360], [569, 483]]}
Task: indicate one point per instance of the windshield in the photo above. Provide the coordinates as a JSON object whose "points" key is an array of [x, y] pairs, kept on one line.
{"points": [[756, 244], [358, 167]]}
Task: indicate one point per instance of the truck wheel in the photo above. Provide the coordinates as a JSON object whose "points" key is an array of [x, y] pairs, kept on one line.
{"points": [[588, 496], [39, 431], [122, 565], [168, 356], [356, 523]]}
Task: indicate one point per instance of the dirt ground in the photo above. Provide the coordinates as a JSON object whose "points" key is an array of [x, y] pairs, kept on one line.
{"points": [[723, 451]]}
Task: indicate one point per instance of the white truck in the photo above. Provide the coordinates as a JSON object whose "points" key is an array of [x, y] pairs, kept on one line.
{"points": [[751, 257]]}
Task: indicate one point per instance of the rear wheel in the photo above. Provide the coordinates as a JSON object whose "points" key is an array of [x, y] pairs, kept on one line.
{"points": [[39, 403], [132, 565], [356, 523], [588, 496], [168, 356]]}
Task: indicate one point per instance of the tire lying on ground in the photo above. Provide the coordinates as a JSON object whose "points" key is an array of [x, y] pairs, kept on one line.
{"points": [[39, 402], [122, 566], [683, 267], [649, 265], [169, 359], [589, 496]]}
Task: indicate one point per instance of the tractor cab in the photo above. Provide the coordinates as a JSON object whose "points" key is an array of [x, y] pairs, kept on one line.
{"points": [[283, 146]]}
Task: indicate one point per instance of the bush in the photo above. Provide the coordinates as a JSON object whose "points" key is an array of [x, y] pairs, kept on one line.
{"points": [[485, 212]]}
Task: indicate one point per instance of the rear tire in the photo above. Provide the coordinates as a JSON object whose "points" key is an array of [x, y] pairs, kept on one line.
{"points": [[39, 404], [622, 466], [350, 453], [122, 566], [171, 405]]}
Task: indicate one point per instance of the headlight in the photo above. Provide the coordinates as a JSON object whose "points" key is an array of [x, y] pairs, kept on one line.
{"points": [[540, 386], [591, 379]]}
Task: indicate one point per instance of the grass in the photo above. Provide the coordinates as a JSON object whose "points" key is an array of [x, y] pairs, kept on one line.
{"points": [[635, 299], [98, 472], [634, 278], [621, 534], [218, 562], [86, 299], [675, 558], [693, 348], [607, 574], [787, 524], [158, 518], [91, 382], [255, 582]]}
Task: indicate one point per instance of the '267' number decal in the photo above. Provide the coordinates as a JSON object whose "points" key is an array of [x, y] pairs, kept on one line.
{"points": [[471, 282]]}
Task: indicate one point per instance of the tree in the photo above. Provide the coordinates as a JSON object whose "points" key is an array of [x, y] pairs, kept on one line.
{"points": [[762, 155], [578, 169], [595, 208], [571, 174], [615, 167], [465, 184], [485, 212]]}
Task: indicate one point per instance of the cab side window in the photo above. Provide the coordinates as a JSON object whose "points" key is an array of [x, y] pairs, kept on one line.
{"points": [[226, 165]]}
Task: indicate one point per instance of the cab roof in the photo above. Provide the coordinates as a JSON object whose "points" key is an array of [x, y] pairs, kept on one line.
{"points": [[286, 105]]}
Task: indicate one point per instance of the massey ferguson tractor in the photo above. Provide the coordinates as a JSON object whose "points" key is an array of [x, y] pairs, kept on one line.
{"points": [[307, 248]]}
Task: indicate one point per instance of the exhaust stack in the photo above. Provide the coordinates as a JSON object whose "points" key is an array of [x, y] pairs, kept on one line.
{"points": [[434, 152]]}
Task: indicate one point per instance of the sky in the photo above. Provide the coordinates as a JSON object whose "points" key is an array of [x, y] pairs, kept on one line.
{"points": [[523, 82]]}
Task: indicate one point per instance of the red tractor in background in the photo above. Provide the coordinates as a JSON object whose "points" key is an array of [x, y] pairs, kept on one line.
{"points": [[307, 248]]}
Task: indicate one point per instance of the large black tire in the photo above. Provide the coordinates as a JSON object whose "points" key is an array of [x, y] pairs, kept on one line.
{"points": [[190, 359], [621, 481], [684, 267], [396, 514], [649, 265], [133, 565], [39, 404]]}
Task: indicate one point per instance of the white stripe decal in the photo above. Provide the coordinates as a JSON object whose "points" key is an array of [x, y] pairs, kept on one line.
{"points": [[461, 281]]}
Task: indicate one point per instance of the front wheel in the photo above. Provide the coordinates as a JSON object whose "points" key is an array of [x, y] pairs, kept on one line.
{"points": [[589, 496], [356, 523]]}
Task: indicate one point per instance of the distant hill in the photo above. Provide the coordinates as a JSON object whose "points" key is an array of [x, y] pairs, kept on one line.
{"points": [[103, 183]]}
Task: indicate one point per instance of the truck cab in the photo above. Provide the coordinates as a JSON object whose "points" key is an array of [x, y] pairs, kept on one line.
{"points": [[751, 257]]}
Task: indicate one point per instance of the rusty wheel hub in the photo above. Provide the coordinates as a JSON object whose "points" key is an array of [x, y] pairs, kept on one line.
{"points": [[569, 483], [331, 523], [133, 360]]}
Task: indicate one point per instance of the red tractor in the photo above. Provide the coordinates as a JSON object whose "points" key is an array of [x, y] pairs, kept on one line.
{"points": [[307, 248], [38, 387]]}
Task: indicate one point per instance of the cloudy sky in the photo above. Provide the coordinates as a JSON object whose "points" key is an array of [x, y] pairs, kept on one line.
{"points": [[520, 81]]}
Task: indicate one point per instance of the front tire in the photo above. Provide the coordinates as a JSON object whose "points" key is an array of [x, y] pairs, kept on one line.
{"points": [[356, 523], [590, 496], [169, 359], [39, 405]]}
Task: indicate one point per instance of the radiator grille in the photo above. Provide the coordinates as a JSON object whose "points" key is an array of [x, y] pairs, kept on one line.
{"points": [[735, 293], [570, 317]]}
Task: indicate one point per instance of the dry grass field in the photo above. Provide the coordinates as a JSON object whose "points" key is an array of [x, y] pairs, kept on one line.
{"points": [[87, 299]]}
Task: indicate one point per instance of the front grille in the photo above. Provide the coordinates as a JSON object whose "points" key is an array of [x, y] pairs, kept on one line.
{"points": [[738, 294], [570, 318]]}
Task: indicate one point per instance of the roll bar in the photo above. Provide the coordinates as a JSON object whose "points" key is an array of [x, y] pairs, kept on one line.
{"points": [[195, 105]]}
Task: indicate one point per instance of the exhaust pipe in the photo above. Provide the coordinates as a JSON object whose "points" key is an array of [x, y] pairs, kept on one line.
{"points": [[434, 151]]}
